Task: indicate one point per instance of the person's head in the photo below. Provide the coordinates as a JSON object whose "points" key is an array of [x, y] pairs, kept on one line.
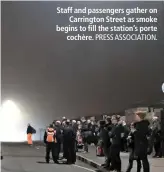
{"points": [[118, 117], [113, 117], [78, 122], [120, 122], [63, 123], [64, 118], [123, 123], [51, 126], [58, 123], [92, 119], [102, 123], [73, 122], [83, 119], [140, 115], [92, 122], [109, 121], [132, 125], [67, 122], [79, 127], [88, 121], [114, 121], [155, 119]]}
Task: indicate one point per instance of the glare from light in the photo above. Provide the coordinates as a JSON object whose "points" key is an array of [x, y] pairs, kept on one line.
{"points": [[10, 122], [163, 87]]}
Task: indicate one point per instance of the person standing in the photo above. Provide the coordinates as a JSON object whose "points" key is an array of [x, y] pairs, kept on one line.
{"points": [[50, 141], [69, 138], [141, 139], [116, 134], [30, 132], [58, 129], [86, 133], [105, 143], [130, 141], [75, 128]]}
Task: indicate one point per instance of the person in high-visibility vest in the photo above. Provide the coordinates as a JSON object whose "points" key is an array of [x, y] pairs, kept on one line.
{"points": [[50, 141], [30, 131]]}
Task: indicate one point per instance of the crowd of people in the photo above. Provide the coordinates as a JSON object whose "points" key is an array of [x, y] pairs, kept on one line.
{"points": [[111, 134]]}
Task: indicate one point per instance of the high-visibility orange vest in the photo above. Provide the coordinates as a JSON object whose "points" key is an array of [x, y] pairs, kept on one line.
{"points": [[50, 135]]}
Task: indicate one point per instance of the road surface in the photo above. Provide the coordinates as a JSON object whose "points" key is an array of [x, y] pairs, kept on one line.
{"points": [[22, 158], [156, 164]]}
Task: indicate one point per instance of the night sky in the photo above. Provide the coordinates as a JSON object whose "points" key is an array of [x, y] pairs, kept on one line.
{"points": [[50, 77]]}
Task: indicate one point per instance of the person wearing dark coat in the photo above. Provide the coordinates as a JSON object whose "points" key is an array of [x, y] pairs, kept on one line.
{"points": [[124, 139], [75, 129], [157, 143], [141, 140], [116, 134], [130, 143], [57, 127], [156, 137], [105, 143], [74, 126], [86, 134], [69, 139]]}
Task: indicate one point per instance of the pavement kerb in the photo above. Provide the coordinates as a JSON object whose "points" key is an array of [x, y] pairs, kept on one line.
{"points": [[91, 163]]}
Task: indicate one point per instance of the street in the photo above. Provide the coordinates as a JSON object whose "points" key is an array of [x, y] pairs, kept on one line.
{"points": [[156, 164], [22, 158], [19, 157]]}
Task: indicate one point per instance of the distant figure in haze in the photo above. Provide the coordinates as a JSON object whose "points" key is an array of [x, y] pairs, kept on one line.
{"points": [[30, 131]]}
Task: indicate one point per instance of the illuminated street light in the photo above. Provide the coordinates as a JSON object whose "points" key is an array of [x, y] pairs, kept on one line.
{"points": [[10, 121], [163, 87]]}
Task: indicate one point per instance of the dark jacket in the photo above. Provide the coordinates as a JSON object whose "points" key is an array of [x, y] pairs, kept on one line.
{"points": [[86, 130], [75, 127], [58, 134], [116, 135], [69, 135], [104, 137], [30, 130], [156, 134], [140, 138], [126, 131], [130, 140]]}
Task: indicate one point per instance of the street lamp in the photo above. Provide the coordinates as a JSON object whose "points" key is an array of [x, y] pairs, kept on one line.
{"points": [[163, 87], [10, 120]]}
